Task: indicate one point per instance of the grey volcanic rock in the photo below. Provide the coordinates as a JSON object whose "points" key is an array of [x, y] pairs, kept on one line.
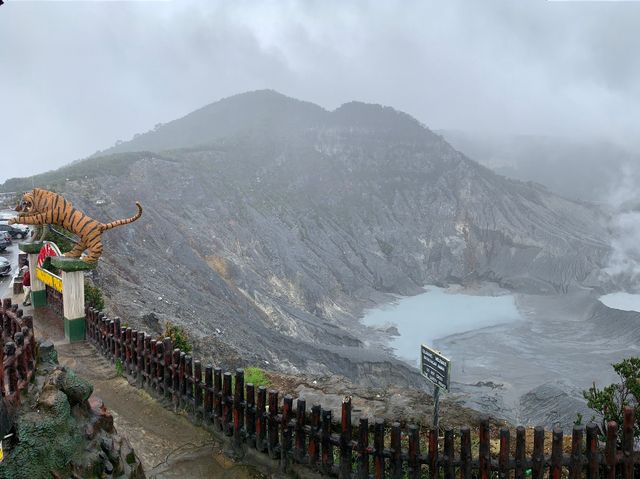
{"points": [[554, 404], [270, 224]]}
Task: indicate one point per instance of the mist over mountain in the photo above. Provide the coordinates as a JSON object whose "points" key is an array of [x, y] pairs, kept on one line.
{"points": [[586, 170], [270, 223]]}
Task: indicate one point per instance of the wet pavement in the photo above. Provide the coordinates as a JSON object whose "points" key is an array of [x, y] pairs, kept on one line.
{"points": [[11, 253]]}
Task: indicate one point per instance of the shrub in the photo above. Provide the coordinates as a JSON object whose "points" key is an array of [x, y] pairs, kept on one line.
{"points": [[611, 401], [93, 296], [61, 237], [256, 376], [119, 367], [178, 337]]}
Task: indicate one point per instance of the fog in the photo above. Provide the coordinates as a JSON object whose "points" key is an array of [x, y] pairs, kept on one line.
{"points": [[77, 76]]}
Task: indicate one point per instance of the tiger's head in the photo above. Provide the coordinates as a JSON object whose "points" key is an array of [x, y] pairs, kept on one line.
{"points": [[26, 204]]}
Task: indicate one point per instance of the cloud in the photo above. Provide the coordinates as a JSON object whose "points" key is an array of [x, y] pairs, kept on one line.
{"points": [[624, 200], [77, 76]]}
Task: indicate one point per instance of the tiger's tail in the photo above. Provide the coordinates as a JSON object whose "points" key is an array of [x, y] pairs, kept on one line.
{"points": [[126, 221]]}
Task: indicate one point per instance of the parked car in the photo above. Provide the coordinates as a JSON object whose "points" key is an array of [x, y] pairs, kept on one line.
{"points": [[4, 243], [15, 231], [24, 229]]}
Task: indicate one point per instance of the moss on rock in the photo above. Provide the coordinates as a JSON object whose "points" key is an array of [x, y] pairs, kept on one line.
{"points": [[48, 440]]}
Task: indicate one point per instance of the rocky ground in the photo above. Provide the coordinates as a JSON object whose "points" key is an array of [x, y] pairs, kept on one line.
{"points": [[62, 431]]}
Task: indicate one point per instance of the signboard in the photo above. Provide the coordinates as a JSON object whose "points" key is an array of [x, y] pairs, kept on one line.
{"points": [[48, 249], [49, 279], [435, 367]]}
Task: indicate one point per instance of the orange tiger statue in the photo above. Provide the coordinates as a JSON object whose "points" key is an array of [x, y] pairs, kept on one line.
{"points": [[42, 207]]}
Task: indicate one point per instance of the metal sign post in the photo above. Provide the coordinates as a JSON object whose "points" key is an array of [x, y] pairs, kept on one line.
{"points": [[437, 370], [436, 408]]}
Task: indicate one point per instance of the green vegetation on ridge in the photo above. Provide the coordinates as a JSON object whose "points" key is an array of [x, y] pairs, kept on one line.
{"points": [[110, 165]]}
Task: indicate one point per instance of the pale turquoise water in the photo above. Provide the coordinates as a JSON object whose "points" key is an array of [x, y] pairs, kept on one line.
{"points": [[622, 301], [437, 313]]}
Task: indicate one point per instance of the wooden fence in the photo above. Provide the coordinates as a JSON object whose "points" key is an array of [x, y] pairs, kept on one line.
{"points": [[255, 418], [17, 350]]}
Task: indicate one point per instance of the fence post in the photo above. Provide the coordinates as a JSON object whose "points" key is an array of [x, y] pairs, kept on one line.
{"points": [[593, 454], [327, 448], [21, 366], [261, 426], [610, 449], [128, 350], [520, 452], [250, 414], [449, 454], [484, 451], [10, 359], [314, 435], [299, 449], [577, 459], [414, 453], [175, 373], [627, 442], [238, 410], [28, 351], [208, 394], [116, 339], [272, 425], [378, 446], [537, 466], [197, 388], [168, 373], [184, 380], [395, 463], [434, 464], [147, 360], [285, 437], [158, 358], [217, 399], [556, 454], [188, 381], [346, 456], [140, 358], [110, 336], [503, 459], [465, 452], [3, 391], [227, 419]]}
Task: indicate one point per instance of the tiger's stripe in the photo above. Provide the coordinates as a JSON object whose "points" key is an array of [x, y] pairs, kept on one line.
{"points": [[45, 207]]}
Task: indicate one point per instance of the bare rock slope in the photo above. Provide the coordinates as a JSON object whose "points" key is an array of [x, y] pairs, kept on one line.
{"points": [[271, 223]]}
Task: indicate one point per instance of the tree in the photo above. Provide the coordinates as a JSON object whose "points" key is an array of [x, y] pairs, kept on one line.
{"points": [[93, 296], [611, 401]]}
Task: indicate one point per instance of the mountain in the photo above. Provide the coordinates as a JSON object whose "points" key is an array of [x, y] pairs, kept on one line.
{"points": [[270, 224]]}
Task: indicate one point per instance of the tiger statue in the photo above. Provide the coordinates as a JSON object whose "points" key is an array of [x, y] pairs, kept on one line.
{"points": [[42, 207]]}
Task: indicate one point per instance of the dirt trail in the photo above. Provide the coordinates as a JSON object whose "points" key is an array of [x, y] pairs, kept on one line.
{"points": [[168, 445]]}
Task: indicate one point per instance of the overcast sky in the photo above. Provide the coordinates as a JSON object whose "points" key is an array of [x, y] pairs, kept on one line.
{"points": [[76, 76]]}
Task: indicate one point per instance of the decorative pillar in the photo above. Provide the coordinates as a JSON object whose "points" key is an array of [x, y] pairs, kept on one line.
{"points": [[73, 295], [38, 293]]}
